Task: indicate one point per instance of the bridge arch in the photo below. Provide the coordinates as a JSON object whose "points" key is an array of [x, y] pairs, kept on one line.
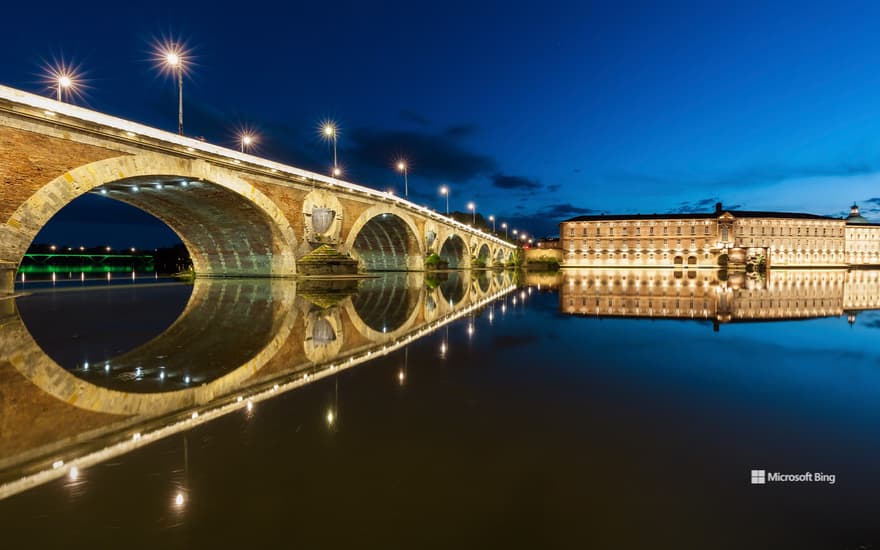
{"points": [[455, 252], [385, 239], [386, 307], [222, 306], [229, 227], [483, 253], [455, 289]]}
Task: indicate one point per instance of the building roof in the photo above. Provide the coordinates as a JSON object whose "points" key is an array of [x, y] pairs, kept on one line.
{"points": [[700, 216], [855, 217]]}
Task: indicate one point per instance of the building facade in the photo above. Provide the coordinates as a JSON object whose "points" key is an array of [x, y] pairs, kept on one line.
{"points": [[719, 238]]}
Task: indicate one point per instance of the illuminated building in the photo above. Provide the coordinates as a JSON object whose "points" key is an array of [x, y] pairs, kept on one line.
{"points": [[719, 238]]}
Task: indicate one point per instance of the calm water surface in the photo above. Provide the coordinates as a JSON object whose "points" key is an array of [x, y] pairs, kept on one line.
{"points": [[590, 410]]}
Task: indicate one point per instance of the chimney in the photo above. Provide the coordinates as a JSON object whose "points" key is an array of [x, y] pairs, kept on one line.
{"points": [[717, 207]]}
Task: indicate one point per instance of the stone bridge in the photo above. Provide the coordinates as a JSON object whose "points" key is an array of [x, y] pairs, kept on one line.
{"points": [[238, 215]]}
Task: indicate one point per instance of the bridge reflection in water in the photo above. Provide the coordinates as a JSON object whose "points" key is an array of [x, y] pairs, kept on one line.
{"points": [[716, 296], [237, 342]]}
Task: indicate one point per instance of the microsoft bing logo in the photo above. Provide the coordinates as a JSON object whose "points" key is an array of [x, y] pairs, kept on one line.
{"points": [[759, 477]]}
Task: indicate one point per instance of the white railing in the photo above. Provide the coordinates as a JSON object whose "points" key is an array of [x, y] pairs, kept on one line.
{"points": [[131, 131]]}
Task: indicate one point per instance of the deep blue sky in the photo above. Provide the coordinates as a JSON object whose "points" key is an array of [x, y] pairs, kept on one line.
{"points": [[536, 111]]}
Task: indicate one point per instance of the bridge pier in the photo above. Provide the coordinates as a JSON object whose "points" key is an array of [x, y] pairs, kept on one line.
{"points": [[7, 278]]}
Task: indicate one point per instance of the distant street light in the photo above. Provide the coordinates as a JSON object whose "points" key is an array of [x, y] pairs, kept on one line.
{"points": [[504, 226], [445, 191], [473, 208], [247, 139], [402, 167], [515, 232], [492, 219]]}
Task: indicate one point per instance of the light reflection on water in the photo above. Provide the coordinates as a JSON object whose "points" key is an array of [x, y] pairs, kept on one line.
{"points": [[537, 413]]}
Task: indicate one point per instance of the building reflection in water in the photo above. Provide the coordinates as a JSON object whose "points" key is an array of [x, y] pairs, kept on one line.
{"points": [[236, 343], [718, 296]]}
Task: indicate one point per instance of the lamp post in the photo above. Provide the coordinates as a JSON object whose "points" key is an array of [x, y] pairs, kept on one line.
{"points": [[473, 208], [401, 166], [330, 133], [247, 139], [64, 82], [504, 226], [444, 190], [492, 219], [174, 61], [63, 79]]}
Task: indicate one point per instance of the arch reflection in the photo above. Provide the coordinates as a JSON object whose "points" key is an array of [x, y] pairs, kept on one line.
{"points": [[237, 341]]}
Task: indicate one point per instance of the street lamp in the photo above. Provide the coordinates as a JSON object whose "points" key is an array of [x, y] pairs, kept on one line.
{"points": [[504, 227], [330, 132], [402, 167], [492, 219], [64, 82], [445, 191], [515, 232], [473, 208], [174, 61], [63, 79], [247, 139]]}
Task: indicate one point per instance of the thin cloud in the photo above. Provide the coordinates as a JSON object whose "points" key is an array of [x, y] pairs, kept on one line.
{"points": [[414, 117], [435, 156], [761, 174], [503, 181]]}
